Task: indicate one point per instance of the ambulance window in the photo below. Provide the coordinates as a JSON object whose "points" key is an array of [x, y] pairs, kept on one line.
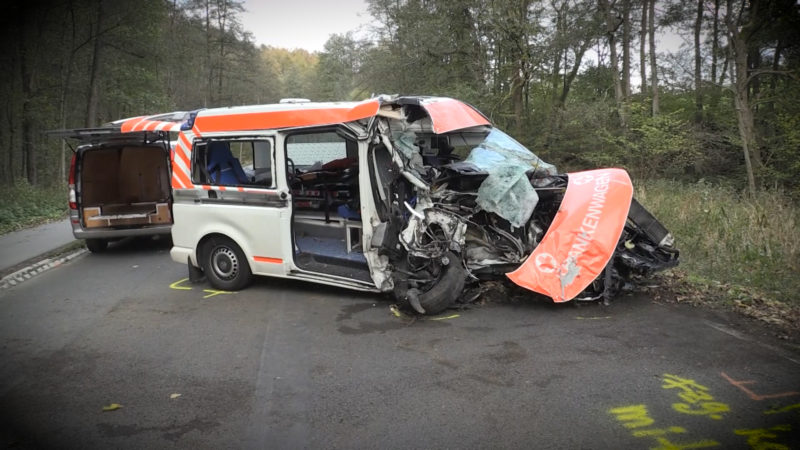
{"points": [[233, 162], [310, 151]]}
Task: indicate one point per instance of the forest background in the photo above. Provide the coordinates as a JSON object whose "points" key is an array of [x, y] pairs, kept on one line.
{"points": [[709, 132]]}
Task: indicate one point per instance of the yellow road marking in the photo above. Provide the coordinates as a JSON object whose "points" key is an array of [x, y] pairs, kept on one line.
{"points": [[213, 292], [176, 285]]}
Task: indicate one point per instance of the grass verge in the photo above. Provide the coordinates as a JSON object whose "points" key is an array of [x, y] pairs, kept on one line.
{"points": [[23, 206], [739, 250]]}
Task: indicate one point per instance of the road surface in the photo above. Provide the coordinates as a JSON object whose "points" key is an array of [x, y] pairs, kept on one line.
{"points": [[20, 246], [295, 365]]}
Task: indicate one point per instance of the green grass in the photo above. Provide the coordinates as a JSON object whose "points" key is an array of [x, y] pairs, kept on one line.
{"points": [[22, 206], [727, 237]]}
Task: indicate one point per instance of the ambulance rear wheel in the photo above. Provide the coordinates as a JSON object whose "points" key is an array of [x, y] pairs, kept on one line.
{"points": [[225, 265]]}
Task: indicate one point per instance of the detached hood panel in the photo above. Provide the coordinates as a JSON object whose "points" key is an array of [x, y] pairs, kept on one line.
{"points": [[582, 237]]}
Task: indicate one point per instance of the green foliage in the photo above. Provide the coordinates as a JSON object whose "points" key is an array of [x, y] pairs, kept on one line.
{"points": [[724, 235], [23, 205]]}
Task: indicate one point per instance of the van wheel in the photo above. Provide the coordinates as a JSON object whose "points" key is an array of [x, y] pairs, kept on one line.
{"points": [[225, 265], [437, 295], [96, 245]]}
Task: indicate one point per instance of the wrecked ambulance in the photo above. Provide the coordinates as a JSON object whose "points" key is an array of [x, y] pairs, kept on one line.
{"points": [[415, 196]]}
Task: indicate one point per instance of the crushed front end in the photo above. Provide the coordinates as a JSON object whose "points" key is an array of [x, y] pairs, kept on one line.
{"points": [[458, 201]]}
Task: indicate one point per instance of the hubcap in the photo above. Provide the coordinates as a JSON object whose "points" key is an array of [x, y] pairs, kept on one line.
{"points": [[224, 263]]}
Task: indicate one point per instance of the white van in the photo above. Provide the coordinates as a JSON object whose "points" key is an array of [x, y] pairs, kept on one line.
{"points": [[378, 196], [120, 179]]}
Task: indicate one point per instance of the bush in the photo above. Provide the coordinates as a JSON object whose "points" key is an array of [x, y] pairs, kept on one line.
{"points": [[23, 205]]}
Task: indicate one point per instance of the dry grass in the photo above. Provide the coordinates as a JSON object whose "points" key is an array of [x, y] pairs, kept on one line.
{"points": [[729, 238]]}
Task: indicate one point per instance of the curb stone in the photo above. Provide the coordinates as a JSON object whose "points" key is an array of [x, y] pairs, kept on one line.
{"points": [[26, 273]]}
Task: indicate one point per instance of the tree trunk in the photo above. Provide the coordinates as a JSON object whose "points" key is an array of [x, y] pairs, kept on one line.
{"points": [[744, 118], [28, 127], [558, 44], [9, 170], [643, 47], [209, 65], [573, 72], [517, 98], [65, 83], [737, 44], [222, 16], [698, 92], [626, 50], [716, 89], [611, 34], [94, 70], [715, 43], [653, 66]]}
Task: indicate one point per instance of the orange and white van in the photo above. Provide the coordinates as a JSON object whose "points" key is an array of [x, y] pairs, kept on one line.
{"points": [[417, 196]]}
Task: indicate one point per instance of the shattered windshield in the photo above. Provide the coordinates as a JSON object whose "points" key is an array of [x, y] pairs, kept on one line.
{"points": [[507, 191], [499, 148]]}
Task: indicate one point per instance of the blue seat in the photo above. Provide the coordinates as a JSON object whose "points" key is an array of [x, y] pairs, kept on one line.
{"points": [[222, 167]]}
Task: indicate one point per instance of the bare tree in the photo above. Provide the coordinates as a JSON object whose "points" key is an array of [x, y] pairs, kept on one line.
{"points": [[643, 47], [626, 50], [739, 30], [653, 66], [698, 92], [94, 70], [612, 25]]}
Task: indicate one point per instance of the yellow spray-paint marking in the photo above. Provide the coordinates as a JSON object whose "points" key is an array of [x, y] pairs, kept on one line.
{"points": [[667, 445], [658, 431], [637, 419], [756, 438], [713, 410], [783, 409], [445, 318], [634, 416], [698, 401], [213, 292], [177, 285], [593, 318]]}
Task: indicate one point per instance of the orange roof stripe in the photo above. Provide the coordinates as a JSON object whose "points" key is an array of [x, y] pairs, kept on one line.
{"points": [[141, 123], [284, 118], [449, 115]]}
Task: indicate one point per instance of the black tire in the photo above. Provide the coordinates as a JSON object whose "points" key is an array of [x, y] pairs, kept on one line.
{"points": [[441, 295], [96, 245], [225, 265]]}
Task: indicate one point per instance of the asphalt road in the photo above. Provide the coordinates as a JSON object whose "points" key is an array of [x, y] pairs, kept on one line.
{"points": [[22, 245], [294, 365]]}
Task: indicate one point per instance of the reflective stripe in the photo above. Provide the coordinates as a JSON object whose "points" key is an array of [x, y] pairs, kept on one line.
{"points": [[265, 259], [129, 124], [176, 182], [182, 150], [284, 119], [141, 123], [182, 177]]}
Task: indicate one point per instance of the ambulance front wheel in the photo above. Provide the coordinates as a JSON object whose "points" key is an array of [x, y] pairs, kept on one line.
{"points": [[225, 265]]}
